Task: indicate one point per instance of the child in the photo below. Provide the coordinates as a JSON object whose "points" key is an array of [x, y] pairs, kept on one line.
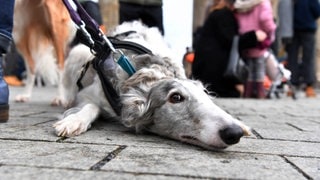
{"points": [[255, 15]]}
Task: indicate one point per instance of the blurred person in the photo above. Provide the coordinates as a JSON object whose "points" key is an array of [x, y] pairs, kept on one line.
{"points": [[306, 13], [256, 15], [15, 67], [148, 11], [285, 23], [6, 24], [213, 49], [92, 7]]}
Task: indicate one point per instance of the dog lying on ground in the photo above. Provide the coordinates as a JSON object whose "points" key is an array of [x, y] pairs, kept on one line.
{"points": [[157, 98], [42, 31]]}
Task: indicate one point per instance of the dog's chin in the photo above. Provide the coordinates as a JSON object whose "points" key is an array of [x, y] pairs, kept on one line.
{"points": [[195, 141]]}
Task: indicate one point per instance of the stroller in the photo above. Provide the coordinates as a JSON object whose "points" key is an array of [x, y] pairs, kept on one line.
{"points": [[279, 76]]}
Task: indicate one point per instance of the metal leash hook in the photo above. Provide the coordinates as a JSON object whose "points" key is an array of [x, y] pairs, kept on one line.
{"points": [[120, 58], [72, 8], [124, 62]]}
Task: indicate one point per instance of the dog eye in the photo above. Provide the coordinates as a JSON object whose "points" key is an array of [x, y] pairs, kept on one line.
{"points": [[176, 98], [206, 91]]}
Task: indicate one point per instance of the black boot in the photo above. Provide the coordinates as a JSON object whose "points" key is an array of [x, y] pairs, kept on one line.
{"points": [[261, 94], [248, 89], [4, 96]]}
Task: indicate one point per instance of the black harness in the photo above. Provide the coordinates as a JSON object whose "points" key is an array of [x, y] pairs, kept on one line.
{"points": [[101, 46]]}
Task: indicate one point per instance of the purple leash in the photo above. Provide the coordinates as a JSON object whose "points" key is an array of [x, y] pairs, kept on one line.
{"points": [[82, 19]]}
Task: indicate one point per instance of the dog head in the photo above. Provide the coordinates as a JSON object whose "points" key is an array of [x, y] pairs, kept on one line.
{"points": [[160, 99], [182, 110]]}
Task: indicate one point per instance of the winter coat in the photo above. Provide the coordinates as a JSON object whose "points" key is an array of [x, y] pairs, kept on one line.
{"points": [[285, 17], [306, 12], [259, 17]]}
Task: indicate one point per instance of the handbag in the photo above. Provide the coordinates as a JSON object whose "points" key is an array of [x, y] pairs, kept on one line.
{"points": [[236, 69]]}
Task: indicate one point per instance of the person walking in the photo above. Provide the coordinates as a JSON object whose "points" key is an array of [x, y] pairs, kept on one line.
{"points": [[212, 49], [6, 25], [256, 15], [306, 13], [93, 9]]}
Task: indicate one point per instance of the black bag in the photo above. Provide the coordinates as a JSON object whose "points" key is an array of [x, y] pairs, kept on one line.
{"points": [[236, 69]]}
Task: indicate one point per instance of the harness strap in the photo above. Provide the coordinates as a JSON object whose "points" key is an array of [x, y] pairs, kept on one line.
{"points": [[109, 92], [82, 73], [98, 61], [119, 45]]}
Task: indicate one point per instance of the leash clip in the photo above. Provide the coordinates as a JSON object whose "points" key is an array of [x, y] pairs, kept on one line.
{"points": [[123, 61]]}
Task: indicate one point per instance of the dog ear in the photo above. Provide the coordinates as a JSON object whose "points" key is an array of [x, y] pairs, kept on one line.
{"points": [[134, 105]]}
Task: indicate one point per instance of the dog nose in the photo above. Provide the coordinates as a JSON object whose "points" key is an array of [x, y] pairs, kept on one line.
{"points": [[231, 134]]}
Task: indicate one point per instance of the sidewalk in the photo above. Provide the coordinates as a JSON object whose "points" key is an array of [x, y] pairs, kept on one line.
{"points": [[285, 145]]}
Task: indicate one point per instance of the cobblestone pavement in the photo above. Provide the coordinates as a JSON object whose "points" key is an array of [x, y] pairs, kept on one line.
{"points": [[285, 145]]}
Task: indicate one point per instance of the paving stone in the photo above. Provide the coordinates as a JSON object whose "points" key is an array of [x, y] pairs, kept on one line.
{"points": [[285, 130], [277, 147], [40, 173], [310, 166], [40, 132], [59, 155], [202, 164], [285, 145]]}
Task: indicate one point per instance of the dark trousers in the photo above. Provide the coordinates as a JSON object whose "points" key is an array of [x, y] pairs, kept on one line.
{"points": [[149, 15], [302, 69], [93, 9], [14, 63], [6, 24]]}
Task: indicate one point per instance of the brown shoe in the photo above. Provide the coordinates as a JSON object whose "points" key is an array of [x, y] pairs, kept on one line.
{"points": [[4, 113], [13, 81], [310, 92]]}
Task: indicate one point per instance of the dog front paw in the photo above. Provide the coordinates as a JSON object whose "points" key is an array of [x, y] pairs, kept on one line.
{"points": [[71, 125], [22, 98], [56, 102]]}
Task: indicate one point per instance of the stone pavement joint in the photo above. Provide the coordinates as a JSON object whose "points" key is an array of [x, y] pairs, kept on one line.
{"points": [[284, 144], [108, 158], [297, 168]]}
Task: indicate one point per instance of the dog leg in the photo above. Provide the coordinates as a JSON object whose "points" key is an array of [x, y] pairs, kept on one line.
{"points": [[58, 100], [27, 90], [77, 123]]}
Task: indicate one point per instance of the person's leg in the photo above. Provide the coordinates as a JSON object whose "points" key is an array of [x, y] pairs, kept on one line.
{"points": [[12, 72], [260, 75], [4, 95], [153, 17], [6, 24], [293, 63], [93, 9], [254, 86], [308, 58], [308, 62], [248, 87]]}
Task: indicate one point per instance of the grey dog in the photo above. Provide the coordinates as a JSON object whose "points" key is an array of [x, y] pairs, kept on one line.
{"points": [[158, 98]]}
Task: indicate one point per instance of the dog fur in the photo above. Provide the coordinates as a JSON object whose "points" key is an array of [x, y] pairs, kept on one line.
{"points": [[158, 98], [42, 31]]}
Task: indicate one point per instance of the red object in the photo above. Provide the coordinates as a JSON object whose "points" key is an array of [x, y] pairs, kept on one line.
{"points": [[267, 83], [189, 57]]}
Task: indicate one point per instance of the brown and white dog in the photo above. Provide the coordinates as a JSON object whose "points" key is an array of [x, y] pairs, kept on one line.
{"points": [[42, 31]]}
